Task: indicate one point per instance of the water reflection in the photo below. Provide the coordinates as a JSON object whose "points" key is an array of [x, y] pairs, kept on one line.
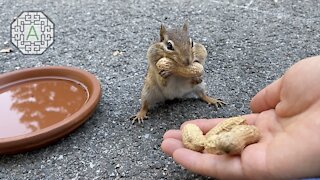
{"points": [[38, 104]]}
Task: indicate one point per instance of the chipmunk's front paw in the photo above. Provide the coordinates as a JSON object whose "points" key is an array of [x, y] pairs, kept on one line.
{"points": [[140, 116], [196, 80], [216, 102], [212, 101], [164, 73]]}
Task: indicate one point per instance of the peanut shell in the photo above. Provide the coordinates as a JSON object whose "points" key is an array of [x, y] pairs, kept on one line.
{"points": [[233, 142], [193, 70], [226, 125], [230, 136], [192, 137]]}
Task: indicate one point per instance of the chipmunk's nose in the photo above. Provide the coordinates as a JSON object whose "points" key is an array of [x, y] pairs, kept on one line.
{"points": [[187, 61]]}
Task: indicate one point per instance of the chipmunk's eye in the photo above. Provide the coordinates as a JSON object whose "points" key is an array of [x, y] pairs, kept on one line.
{"points": [[191, 41], [169, 45]]}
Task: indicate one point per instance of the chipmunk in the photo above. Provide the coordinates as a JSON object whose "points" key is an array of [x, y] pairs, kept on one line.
{"points": [[161, 85]]}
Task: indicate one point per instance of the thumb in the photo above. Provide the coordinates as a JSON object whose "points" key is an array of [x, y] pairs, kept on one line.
{"points": [[267, 98]]}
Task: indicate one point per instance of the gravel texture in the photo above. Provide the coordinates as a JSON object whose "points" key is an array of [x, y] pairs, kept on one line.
{"points": [[249, 43]]}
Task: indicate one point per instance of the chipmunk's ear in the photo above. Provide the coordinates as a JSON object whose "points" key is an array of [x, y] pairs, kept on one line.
{"points": [[185, 26], [163, 32]]}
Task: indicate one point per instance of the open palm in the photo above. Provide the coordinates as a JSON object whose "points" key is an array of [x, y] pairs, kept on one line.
{"points": [[287, 113]]}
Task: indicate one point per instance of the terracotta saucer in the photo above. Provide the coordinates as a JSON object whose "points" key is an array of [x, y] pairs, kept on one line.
{"points": [[44, 136]]}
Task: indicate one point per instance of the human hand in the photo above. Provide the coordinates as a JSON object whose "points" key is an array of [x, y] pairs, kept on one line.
{"points": [[287, 115]]}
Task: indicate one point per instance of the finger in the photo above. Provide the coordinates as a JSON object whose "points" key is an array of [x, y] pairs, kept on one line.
{"points": [[221, 167], [170, 145], [250, 118], [173, 133], [267, 98]]}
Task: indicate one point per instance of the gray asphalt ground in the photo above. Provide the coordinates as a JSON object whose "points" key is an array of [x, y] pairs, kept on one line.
{"points": [[249, 43]]}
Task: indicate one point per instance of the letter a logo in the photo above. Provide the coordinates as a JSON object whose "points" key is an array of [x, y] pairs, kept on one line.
{"points": [[32, 32]]}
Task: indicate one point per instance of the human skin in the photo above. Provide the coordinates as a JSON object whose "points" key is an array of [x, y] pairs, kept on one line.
{"points": [[287, 113]]}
